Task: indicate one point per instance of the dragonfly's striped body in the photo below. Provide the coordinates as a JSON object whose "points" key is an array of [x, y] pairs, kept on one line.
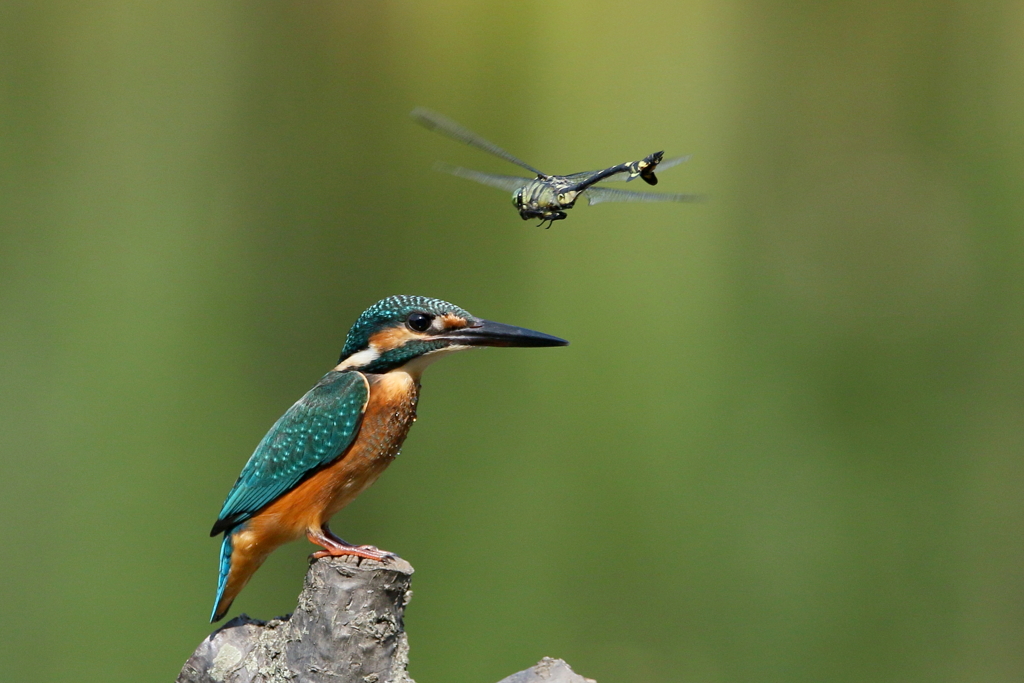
{"points": [[547, 197]]}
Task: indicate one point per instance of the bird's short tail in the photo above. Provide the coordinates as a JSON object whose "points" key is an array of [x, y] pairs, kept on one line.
{"points": [[240, 557], [223, 602]]}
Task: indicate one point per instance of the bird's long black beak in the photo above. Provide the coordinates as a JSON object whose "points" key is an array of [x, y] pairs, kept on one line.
{"points": [[489, 333]]}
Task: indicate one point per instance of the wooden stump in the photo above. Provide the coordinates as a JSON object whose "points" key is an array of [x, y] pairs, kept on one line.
{"points": [[347, 628]]}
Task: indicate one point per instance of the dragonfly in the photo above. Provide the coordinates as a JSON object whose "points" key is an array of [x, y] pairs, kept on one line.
{"points": [[547, 197]]}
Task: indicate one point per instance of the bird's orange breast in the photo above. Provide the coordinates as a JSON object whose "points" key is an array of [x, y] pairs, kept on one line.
{"points": [[390, 412]]}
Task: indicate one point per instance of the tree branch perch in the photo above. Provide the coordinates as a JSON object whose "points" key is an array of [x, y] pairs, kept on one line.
{"points": [[347, 627]]}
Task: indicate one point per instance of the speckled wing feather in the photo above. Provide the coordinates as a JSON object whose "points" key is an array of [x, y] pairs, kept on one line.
{"points": [[313, 432], [596, 195]]}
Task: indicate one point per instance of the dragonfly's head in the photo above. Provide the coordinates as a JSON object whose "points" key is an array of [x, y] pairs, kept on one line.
{"points": [[413, 331], [517, 198]]}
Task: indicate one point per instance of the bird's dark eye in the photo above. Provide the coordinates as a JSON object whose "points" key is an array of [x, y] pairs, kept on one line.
{"points": [[419, 322]]}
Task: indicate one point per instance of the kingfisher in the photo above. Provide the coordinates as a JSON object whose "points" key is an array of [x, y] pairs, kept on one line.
{"points": [[338, 438]]}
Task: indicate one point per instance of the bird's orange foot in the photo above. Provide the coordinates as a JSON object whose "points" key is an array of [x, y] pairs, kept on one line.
{"points": [[367, 552], [337, 547]]}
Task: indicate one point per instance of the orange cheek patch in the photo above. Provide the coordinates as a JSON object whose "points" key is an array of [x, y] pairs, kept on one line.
{"points": [[453, 322], [392, 338]]}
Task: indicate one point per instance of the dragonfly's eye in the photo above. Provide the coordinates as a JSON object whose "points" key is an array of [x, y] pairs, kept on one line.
{"points": [[419, 322]]}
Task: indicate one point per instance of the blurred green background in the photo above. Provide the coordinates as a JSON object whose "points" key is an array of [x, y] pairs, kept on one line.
{"points": [[784, 445]]}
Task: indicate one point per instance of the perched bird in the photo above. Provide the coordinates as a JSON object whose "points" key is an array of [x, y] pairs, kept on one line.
{"points": [[547, 197], [338, 438]]}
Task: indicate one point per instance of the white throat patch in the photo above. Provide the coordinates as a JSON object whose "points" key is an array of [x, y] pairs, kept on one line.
{"points": [[358, 360]]}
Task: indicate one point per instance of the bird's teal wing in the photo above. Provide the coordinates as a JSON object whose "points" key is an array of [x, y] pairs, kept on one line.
{"points": [[312, 433]]}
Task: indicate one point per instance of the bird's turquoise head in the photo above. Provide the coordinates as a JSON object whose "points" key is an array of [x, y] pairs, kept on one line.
{"points": [[414, 330]]}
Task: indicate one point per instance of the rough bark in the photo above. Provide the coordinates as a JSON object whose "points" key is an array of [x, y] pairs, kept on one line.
{"points": [[547, 670], [347, 628]]}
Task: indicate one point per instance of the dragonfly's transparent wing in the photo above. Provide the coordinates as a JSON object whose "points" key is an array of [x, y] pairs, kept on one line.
{"points": [[583, 177], [442, 124], [674, 161], [667, 163], [596, 195], [509, 183]]}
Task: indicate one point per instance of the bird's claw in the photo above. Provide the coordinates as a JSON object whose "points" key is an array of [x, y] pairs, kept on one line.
{"points": [[361, 552], [372, 552]]}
